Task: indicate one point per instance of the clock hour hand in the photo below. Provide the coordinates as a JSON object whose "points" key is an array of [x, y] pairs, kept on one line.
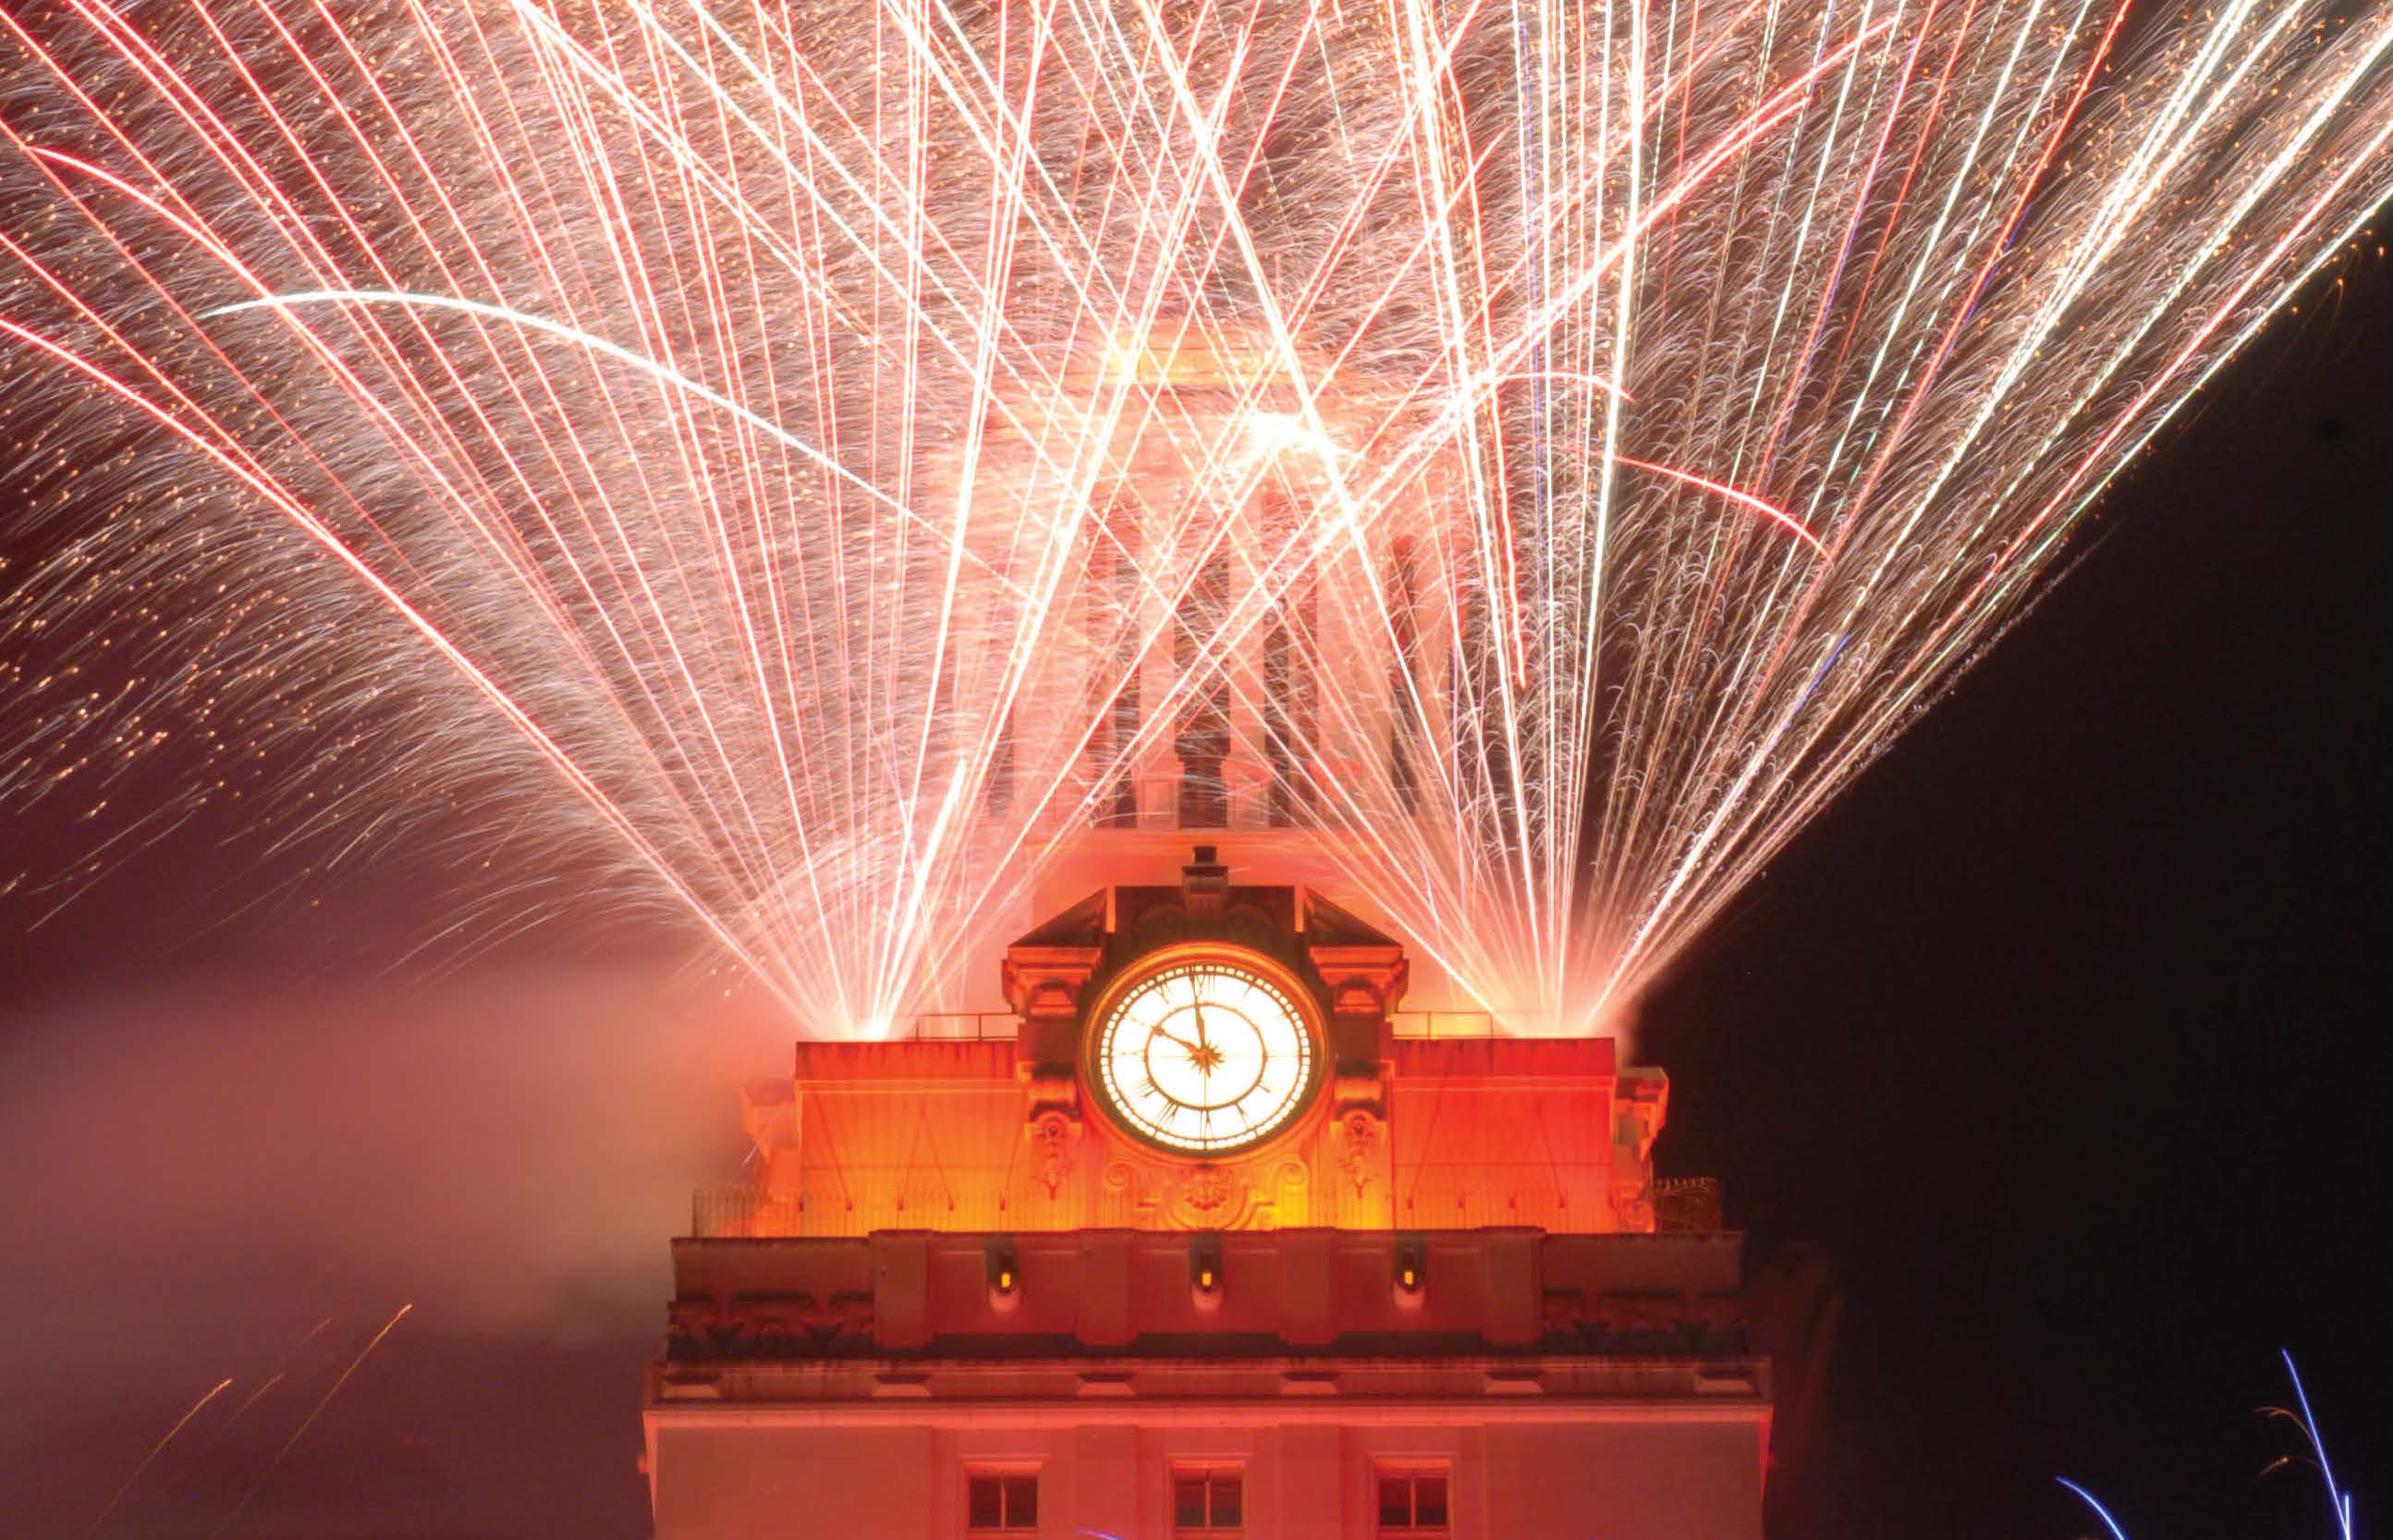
{"points": [[1205, 1056]]}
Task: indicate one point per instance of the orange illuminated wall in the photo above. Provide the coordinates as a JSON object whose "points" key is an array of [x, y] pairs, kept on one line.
{"points": [[998, 1133], [960, 1257]]}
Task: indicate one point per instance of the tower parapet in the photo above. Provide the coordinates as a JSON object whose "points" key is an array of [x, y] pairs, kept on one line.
{"points": [[1208, 1220]]}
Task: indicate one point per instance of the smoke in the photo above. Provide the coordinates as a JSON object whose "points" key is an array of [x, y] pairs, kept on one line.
{"points": [[198, 1178]]}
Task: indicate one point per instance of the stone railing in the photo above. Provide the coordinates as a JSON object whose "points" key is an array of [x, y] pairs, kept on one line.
{"points": [[1442, 1025], [963, 1026]]}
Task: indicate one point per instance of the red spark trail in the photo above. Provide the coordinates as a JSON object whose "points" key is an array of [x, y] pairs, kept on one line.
{"points": [[1768, 510], [310, 1420], [180, 1423]]}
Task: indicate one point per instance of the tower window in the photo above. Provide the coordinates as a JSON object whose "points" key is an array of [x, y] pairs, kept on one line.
{"points": [[1203, 739], [1002, 1502], [1412, 1505], [1401, 599], [1208, 1504], [1113, 592], [1288, 684]]}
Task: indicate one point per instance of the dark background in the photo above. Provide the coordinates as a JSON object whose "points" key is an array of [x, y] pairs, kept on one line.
{"points": [[2057, 1037], [2063, 1031]]}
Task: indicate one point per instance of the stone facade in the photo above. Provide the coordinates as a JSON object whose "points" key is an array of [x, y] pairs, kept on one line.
{"points": [[963, 1298]]}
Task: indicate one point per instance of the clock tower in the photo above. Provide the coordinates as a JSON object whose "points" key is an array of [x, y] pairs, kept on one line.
{"points": [[1211, 1208], [1207, 1236]]}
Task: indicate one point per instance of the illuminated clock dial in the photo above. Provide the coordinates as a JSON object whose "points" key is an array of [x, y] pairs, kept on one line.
{"points": [[1205, 1055]]}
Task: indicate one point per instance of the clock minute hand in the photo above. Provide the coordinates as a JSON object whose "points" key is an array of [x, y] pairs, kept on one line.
{"points": [[1206, 1055]]}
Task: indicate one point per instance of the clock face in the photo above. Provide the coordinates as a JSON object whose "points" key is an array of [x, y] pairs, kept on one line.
{"points": [[1205, 1056]]}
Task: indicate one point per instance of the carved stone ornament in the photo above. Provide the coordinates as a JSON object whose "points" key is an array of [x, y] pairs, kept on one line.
{"points": [[1052, 1134], [1208, 1188], [1632, 1206], [1358, 1147], [1211, 1198]]}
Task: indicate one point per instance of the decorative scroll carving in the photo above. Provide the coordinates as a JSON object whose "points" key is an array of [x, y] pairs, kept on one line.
{"points": [[1206, 1196], [1137, 1184]]}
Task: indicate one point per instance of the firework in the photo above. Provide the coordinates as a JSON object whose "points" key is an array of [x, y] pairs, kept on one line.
{"points": [[2299, 1414], [827, 456]]}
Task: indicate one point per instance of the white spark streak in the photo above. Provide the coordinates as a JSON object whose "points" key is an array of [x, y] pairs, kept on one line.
{"points": [[818, 455]]}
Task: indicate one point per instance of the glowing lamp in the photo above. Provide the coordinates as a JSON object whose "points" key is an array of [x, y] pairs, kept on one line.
{"points": [[1004, 1272], [1205, 1269]]}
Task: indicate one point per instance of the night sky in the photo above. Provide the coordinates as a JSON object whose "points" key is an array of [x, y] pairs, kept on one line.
{"points": [[2062, 1033], [2058, 1037]]}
